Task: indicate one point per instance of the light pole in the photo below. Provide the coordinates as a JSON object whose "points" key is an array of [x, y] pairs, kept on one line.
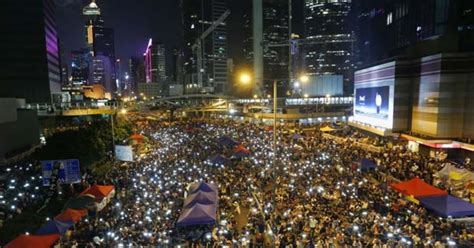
{"points": [[245, 79], [123, 111]]}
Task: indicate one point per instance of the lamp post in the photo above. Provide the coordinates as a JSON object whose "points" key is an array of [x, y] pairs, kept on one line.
{"points": [[245, 79], [123, 111]]}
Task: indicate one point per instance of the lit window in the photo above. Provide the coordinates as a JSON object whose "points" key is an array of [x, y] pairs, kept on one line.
{"points": [[389, 18]]}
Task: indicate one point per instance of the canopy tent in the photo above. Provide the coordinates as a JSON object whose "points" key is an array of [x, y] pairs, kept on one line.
{"points": [[71, 215], [54, 227], [218, 159], [136, 136], [99, 191], [81, 202], [452, 172], [417, 188], [296, 136], [268, 128], [326, 129], [365, 164], [33, 241], [227, 142], [199, 214], [241, 152], [242, 148], [202, 186], [448, 205], [200, 197]]}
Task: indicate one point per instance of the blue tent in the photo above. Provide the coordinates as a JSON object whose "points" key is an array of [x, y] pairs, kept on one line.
{"points": [[199, 214], [448, 205], [227, 142], [201, 197], [296, 136], [54, 227], [218, 159], [241, 154], [366, 165], [202, 186]]}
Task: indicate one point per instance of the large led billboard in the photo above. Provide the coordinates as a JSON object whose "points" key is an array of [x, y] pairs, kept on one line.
{"points": [[372, 102], [374, 106]]}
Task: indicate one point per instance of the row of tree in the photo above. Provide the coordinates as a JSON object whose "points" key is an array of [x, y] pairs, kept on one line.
{"points": [[90, 143]]}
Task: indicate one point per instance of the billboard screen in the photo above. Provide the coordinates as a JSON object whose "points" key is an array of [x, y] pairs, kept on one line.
{"points": [[62, 171], [372, 102]]}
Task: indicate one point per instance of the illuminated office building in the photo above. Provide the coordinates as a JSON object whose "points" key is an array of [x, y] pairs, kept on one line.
{"points": [[329, 45]]}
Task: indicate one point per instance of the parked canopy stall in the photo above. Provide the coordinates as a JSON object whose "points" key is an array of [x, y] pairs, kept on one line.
{"points": [[200, 206], [102, 193], [448, 205], [33, 241]]}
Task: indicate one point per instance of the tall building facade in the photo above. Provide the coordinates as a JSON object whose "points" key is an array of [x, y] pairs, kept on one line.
{"points": [[155, 64], [274, 47], [100, 43], [390, 28], [197, 17], [29, 51], [329, 39], [80, 67], [136, 72]]}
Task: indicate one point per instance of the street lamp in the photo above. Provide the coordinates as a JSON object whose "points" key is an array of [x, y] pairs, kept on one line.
{"points": [[304, 78], [245, 79]]}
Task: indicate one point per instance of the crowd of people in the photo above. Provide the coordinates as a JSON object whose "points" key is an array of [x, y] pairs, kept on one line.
{"points": [[21, 186], [308, 194]]}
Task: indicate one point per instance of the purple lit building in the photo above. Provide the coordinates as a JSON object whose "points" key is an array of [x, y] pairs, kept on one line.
{"points": [[155, 64], [29, 61]]}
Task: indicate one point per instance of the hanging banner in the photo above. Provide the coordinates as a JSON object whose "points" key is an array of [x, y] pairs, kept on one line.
{"points": [[61, 171], [124, 153]]}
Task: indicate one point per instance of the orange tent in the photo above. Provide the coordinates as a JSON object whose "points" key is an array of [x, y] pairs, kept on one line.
{"points": [[241, 148], [417, 188], [136, 136], [33, 241], [71, 215], [99, 191]]}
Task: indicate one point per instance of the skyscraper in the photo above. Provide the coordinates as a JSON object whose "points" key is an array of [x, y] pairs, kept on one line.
{"points": [[80, 67], [29, 51], [100, 43], [197, 17], [330, 40], [274, 46], [396, 27], [155, 63], [137, 73]]}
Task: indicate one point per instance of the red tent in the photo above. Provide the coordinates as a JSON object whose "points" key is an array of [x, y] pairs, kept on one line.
{"points": [[71, 215], [99, 191], [417, 188], [33, 241], [241, 148], [136, 136]]}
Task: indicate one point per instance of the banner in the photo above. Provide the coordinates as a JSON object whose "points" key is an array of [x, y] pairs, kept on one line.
{"points": [[124, 153], [62, 171]]}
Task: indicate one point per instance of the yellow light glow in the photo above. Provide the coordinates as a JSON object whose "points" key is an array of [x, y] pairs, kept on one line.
{"points": [[123, 111], [304, 79], [245, 78]]}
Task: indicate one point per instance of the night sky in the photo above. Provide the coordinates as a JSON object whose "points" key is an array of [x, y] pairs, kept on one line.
{"points": [[135, 21]]}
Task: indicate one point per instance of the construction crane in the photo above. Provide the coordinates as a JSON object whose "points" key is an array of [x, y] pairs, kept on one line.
{"points": [[197, 47]]}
